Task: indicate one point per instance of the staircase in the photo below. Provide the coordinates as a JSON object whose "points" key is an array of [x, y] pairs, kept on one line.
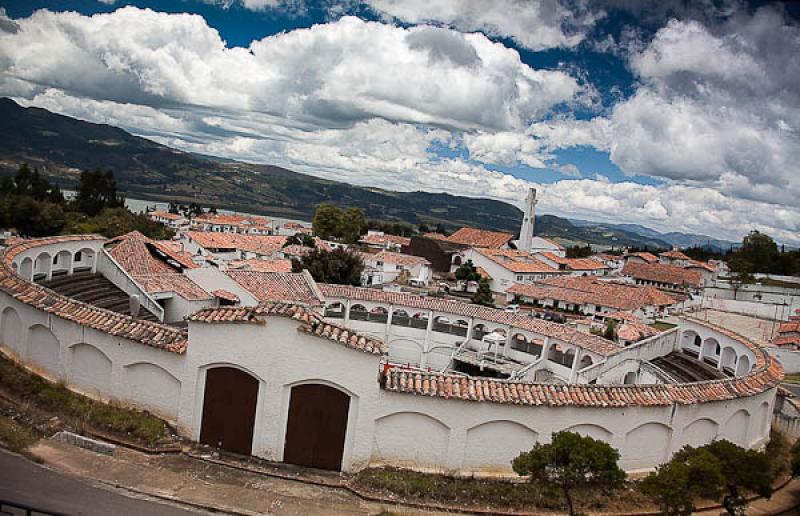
{"points": [[96, 290], [687, 369]]}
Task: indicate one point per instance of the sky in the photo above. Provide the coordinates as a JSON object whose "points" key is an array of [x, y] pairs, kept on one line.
{"points": [[676, 115]]}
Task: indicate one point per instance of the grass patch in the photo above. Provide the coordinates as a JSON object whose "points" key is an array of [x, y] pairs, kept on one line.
{"points": [[484, 493], [77, 410], [15, 436], [662, 326]]}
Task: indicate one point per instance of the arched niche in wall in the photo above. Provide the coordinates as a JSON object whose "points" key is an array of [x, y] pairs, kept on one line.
{"points": [[410, 439], [44, 350], [152, 387], [699, 432], [496, 443], [736, 427], [646, 445], [594, 431], [90, 369], [12, 331]]}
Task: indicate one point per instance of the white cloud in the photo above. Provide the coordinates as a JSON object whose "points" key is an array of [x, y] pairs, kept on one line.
{"points": [[533, 24], [329, 75]]}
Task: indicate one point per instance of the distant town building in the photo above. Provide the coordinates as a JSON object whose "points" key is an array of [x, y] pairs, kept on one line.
{"points": [[378, 240], [387, 267]]}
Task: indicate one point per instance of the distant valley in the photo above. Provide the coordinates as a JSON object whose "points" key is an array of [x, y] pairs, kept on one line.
{"points": [[62, 146]]}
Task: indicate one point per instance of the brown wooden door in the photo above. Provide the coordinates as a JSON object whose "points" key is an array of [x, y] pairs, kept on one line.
{"points": [[229, 410], [316, 427]]}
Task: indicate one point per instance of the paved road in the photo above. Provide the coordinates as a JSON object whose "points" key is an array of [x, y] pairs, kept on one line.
{"points": [[24, 482]]}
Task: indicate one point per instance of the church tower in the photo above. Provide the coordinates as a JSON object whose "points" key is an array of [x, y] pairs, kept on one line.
{"points": [[528, 219]]}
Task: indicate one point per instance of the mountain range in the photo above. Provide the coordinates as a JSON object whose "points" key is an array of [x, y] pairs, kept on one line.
{"points": [[61, 146]]}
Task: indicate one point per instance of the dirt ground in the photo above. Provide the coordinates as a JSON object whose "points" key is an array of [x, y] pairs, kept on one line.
{"points": [[758, 330]]}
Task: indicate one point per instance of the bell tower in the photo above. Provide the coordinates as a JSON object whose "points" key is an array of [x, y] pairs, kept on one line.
{"points": [[528, 220]]}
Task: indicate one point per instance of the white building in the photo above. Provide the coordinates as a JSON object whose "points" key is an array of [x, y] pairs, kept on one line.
{"points": [[380, 241], [387, 267], [505, 267], [375, 377], [171, 220]]}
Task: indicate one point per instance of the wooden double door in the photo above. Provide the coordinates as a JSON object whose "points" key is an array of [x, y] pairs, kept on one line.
{"points": [[229, 410], [316, 427]]}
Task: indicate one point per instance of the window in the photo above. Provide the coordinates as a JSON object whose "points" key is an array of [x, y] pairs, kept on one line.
{"points": [[519, 277], [55, 260], [78, 256]]}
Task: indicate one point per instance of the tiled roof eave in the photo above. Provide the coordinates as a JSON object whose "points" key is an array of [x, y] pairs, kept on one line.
{"points": [[152, 334]]}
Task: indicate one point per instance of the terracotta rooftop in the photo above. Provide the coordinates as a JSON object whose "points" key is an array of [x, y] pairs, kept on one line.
{"points": [[647, 257], [376, 239], [256, 265], [586, 341], [166, 215], [634, 331], [662, 273], [435, 236], [405, 260], [152, 334], [230, 219], [575, 264], [587, 290], [259, 244], [175, 251], [278, 286], [517, 261], [226, 295], [172, 282], [701, 265], [312, 323], [674, 254], [480, 237], [766, 374]]}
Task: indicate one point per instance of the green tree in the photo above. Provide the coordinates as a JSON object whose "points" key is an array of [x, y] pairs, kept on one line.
{"points": [[483, 296], [467, 272], [303, 239], [112, 222], [353, 224], [610, 332], [571, 462], [741, 470], [327, 221], [691, 473], [795, 463], [97, 191], [338, 266], [760, 250], [577, 251]]}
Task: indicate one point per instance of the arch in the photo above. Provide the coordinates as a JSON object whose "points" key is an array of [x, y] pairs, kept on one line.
{"points": [[229, 409], [411, 439], [44, 349], [457, 259], [441, 319], [500, 331], [493, 444], [62, 262], [90, 368], [597, 432], [478, 331], [728, 358], [42, 265], [26, 269], [12, 331], [630, 378], [569, 357], [691, 342], [358, 308], [420, 315], [316, 426], [461, 323], [379, 310], [153, 387], [743, 365], [699, 432], [585, 362], [399, 313], [335, 310], [83, 260], [647, 445], [764, 420], [710, 351], [736, 427], [405, 351]]}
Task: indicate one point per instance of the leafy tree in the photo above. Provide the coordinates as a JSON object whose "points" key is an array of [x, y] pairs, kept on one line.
{"points": [[691, 473], [97, 191], [113, 222], [795, 464], [300, 239], [572, 462], [760, 250], [175, 208], [441, 229], [610, 332], [193, 210], [353, 225], [576, 251], [741, 470], [467, 272], [327, 221], [483, 296], [423, 228], [338, 266]]}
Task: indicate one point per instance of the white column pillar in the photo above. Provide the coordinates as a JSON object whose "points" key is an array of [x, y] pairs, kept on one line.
{"points": [[427, 346], [388, 332], [508, 340], [346, 313], [575, 361]]}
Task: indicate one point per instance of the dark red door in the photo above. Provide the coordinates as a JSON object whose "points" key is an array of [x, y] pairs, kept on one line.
{"points": [[229, 410], [316, 427]]}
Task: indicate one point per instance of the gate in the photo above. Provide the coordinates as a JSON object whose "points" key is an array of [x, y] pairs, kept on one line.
{"points": [[229, 410], [316, 428]]}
